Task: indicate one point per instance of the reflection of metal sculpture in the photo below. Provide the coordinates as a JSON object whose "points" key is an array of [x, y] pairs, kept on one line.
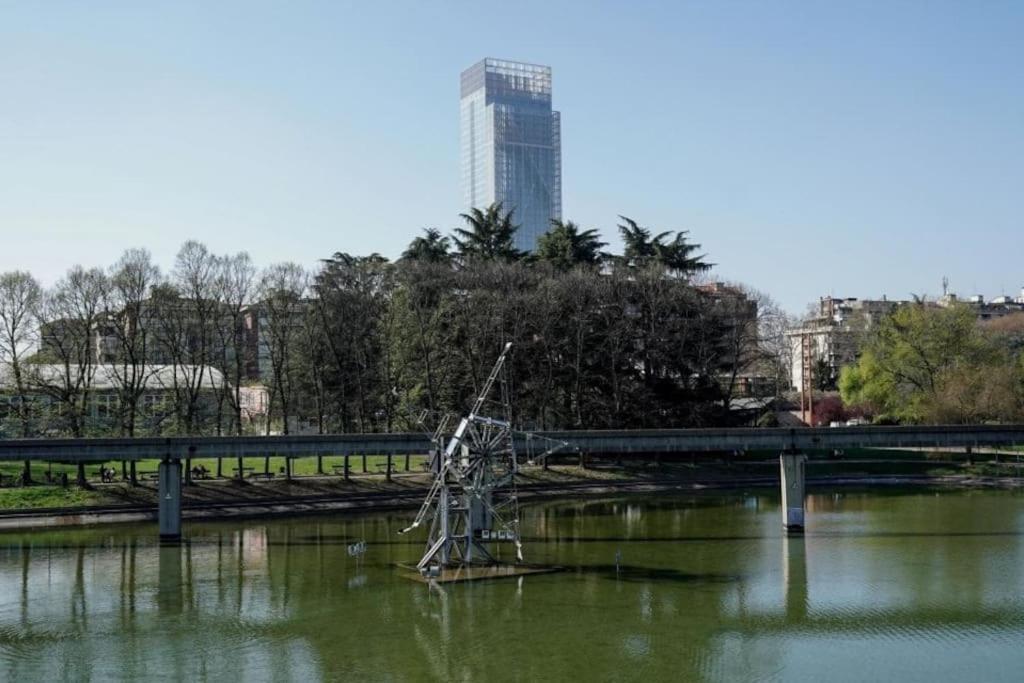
{"points": [[472, 502]]}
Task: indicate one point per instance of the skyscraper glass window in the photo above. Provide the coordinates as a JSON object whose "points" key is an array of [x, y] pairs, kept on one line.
{"points": [[511, 145]]}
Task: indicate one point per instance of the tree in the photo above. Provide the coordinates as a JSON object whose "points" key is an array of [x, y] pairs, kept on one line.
{"points": [[773, 325], [184, 313], [908, 360], [233, 288], [432, 247], [131, 280], [678, 255], [828, 409], [425, 309], [580, 295], [20, 296], [282, 291], [823, 375], [642, 249], [373, 345], [127, 329], [351, 293], [489, 235], [752, 329], [72, 312], [565, 246]]}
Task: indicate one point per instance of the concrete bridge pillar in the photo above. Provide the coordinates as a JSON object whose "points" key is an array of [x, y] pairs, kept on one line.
{"points": [[792, 479], [169, 510]]}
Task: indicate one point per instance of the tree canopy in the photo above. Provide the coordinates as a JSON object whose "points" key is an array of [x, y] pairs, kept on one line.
{"points": [[365, 344], [431, 246], [489, 235], [931, 364], [643, 248], [565, 246]]}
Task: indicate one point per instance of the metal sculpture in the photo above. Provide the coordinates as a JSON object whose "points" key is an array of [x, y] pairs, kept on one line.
{"points": [[473, 503]]}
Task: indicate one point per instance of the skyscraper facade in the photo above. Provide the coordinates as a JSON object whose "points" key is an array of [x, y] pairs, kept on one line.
{"points": [[511, 144]]}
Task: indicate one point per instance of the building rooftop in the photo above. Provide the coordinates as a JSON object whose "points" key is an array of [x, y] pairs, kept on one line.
{"points": [[106, 377]]}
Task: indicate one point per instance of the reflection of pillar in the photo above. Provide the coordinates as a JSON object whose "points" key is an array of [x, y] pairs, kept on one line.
{"points": [[170, 500], [133, 551], [792, 479], [26, 554], [78, 607], [169, 584], [794, 571]]}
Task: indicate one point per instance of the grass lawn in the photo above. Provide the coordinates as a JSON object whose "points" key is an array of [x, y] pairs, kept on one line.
{"points": [[49, 497], [375, 464]]}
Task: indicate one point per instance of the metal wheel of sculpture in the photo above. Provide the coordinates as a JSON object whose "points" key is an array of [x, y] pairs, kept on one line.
{"points": [[472, 506]]}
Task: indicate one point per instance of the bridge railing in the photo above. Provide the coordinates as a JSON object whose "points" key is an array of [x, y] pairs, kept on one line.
{"points": [[591, 442]]}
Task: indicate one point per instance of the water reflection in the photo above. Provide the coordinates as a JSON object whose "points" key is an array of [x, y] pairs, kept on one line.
{"points": [[170, 587], [794, 571], [708, 588]]}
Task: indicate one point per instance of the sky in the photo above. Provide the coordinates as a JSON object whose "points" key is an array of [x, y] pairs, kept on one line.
{"points": [[812, 148]]}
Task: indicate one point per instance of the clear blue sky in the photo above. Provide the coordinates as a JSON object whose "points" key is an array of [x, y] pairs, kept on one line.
{"points": [[812, 147]]}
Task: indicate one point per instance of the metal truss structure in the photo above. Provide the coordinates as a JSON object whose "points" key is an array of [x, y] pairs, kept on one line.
{"points": [[472, 503]]}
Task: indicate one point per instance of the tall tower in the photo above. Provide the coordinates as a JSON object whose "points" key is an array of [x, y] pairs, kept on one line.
{"points": [[511, 146]]}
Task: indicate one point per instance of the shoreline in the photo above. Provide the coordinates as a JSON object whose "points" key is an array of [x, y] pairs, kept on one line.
{"points": [[42, 518]]}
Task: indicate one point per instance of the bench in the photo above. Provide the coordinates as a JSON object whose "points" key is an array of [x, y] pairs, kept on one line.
{"points": [[250, 470], [339, 468], [383, 467], [261, 475], [148, 474]]}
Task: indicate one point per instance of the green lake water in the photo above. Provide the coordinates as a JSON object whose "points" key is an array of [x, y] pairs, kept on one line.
{"points": [[884, 585]]}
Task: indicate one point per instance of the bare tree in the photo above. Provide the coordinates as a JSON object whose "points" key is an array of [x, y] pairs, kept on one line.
{"points": [[773, 324], [20, 296], [738, 311], [131, 280], [313, 358], [127, 328], [186, 313], [233, 289], [72, 312], [283, 288]]}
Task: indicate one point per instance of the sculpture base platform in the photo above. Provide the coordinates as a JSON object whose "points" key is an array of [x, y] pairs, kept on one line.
{"points": [[479, 572]]}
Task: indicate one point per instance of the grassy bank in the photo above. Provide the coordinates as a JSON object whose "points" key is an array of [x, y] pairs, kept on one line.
{"points": [[300, 466], [30, 497]]}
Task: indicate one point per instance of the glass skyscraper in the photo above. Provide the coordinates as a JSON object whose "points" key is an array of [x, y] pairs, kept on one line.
{"points": [[511, 144]]}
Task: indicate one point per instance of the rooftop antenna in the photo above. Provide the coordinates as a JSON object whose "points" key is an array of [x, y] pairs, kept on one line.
{"points": [[945, 285], [472, 503]]}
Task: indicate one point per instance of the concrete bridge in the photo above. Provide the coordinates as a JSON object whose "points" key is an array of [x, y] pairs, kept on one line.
{"points": [[791, 444]]}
